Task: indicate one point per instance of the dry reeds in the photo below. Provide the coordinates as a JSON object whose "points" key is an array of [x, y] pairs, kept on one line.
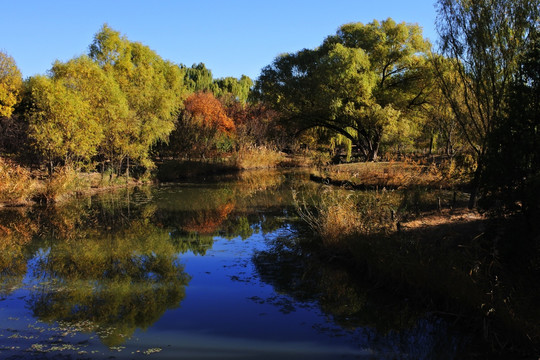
{"points": [[260, 157], [402, 174], [337, 216], [16, 183], [64, 182]]}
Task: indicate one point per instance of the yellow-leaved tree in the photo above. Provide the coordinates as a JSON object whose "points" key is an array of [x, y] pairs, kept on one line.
{"points": [[61, 123], [10, 84], [154, 89]]}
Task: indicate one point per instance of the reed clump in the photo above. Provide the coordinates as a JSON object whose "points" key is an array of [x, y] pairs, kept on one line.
{"points": [[16, 183], [258, 157], [64, 182], [337, 216]]}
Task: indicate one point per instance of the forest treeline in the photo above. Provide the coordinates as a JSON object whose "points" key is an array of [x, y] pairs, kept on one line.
{"points": [[368, 91], [112, 107]]}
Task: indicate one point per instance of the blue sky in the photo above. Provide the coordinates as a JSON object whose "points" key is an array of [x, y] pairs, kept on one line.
{"points": [[231, 37]]}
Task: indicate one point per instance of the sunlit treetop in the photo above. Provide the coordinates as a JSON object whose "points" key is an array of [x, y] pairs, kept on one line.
{"points": [[10, 84], [206, 109]]}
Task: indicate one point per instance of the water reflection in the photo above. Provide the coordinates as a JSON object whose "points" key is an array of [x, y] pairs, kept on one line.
{"points": [[16, 232], [116, 263], [111, 264], [105, 264], [383, 321]]}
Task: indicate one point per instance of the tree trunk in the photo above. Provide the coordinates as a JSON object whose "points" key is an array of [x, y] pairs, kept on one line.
{"points": [[373, 155], [374, 150], [127, 170], [370, 148], [449, 148], [475, 187]]}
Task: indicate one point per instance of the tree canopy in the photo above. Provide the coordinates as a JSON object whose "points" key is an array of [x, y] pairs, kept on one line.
{"points": [[10, 84], [486, 40], [357, 83], [153, 87]]}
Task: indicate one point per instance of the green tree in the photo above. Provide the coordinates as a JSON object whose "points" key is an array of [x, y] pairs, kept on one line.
{"points": [[441, 127], [199, 78], [237, 89], [10, 84], [108, 105], [62, 125], [319, 88], [154, 89], [486, 39], [359, 83]]}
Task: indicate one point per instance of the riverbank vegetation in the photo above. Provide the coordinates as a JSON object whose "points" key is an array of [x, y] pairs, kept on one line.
{"points": [[374, 107], [369, 92], [422, 240]]}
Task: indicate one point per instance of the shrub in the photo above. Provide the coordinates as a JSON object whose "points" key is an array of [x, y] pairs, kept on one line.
{"points": [[339, 216]]}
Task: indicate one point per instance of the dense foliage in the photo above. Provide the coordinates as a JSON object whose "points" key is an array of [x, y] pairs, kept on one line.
{"points": [[110, 108], [362, 83], [367, 89]]}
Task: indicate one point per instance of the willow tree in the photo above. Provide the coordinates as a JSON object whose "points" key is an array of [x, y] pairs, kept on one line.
{"points": [[358, 83], [486, 39], [108, 106], [199, 78], [237, 89], [62, 126], [10, 84], [154, 89]]}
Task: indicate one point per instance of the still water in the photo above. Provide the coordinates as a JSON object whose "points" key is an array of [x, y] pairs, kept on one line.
{"points": [[211, 270]]}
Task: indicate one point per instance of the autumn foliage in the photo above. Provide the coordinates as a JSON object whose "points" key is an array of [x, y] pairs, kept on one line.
{"points": [[203, 129], [207, 111], [208, 221]]}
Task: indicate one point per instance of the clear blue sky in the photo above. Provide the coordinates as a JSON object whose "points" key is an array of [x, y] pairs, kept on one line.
{"points": [[232, 37]]}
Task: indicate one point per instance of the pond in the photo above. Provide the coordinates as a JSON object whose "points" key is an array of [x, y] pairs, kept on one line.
{"points": [[210, 270]]}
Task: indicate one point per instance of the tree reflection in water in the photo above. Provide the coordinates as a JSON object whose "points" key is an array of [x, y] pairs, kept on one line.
{"points": [[111, 268], [110, 264], [381, 320], [16, 232]]}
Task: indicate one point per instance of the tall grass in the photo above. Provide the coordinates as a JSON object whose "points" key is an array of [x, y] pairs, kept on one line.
{"points": [[16, 183], [260, 157], [338, 216], [64, 182]]}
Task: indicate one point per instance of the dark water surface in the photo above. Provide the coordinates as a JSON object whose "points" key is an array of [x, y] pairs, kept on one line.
{"points": [[188, 271]]}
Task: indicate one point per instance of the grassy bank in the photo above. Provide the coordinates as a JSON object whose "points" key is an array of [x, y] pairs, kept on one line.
{"points": [[21, 187], [395, 174]]}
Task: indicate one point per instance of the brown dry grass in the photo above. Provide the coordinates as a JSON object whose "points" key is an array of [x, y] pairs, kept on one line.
{"points": [[260, 157], [445, 217], [333, 217], [16, 183], [336, 216], [397, 174]]}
